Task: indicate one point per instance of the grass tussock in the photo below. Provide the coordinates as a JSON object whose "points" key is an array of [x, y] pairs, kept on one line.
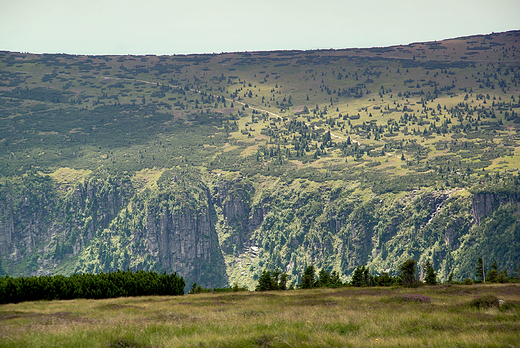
{"points": [[488, 301], [348, 317]]}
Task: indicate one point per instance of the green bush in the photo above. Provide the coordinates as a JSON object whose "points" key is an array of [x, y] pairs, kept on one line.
{"points": [[198, 289], [488, 301]]}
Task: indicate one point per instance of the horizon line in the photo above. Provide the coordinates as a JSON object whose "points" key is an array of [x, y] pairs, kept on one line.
{"points": [[259, 51]]}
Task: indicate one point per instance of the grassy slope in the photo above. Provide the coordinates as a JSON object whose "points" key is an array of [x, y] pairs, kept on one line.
{"points": [[346, 317], [82, 130]]}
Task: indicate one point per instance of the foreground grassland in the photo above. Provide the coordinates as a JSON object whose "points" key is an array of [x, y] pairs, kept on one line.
{"points": [[344, 317]]}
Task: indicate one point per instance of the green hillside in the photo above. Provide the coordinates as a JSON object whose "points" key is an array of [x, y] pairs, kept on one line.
{"points": [[217, 166]]}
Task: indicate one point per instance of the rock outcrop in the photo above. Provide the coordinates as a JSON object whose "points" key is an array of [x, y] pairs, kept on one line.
{"points": [[483, 204], [182, 237], [240, 217], [39, 220]]}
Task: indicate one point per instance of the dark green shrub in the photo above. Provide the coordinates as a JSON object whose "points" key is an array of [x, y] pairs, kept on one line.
{"points": [[92, 286], [361, 276], [488, 301], [124, 343], [467, 281], [384, 279], [412, 298], [328, 280], [275, 280]]}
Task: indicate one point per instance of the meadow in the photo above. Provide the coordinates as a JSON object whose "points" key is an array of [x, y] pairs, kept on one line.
{"points": [[433, 316]]}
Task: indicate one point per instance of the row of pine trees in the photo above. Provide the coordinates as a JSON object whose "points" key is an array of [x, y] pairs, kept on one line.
{"points": [[90, 286], [276, 280]]}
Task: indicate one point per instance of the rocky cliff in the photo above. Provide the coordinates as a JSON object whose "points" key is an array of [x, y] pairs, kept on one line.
{"points": [[37, 216], [103, 223], [483, 204], [219, 229]]}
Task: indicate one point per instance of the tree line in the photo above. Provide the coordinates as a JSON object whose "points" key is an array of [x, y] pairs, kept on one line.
{"points": [[90, 286], [276, 280], [149, 283], [492, 275]]}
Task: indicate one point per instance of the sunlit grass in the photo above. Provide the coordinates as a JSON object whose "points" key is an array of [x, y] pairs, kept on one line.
{"points": [[345, 317], [147, 178]]}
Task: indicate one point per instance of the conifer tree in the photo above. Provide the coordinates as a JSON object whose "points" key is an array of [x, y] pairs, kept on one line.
{"points": [[493, 273], [323, 278], [367, 278], [265, 282], [431, 275], [357, 277], [407, 276], [383, 279], [308, 280], [282, 285]]}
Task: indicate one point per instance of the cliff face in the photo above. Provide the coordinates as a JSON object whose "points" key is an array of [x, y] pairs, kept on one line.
{"points": [[181, 236], [225, 230], [335, 229], [239, 217], [483, 204], [36, 216], [171, 229], [332, 228], [26, 209]]}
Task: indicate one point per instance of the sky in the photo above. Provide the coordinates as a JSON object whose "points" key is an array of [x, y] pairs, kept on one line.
{"points": [[164, 27]]}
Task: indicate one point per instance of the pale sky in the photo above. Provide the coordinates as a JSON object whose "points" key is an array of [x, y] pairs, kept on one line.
{"points": [[204, 26]]}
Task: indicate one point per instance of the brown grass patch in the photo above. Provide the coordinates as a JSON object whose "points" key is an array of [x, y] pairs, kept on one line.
{"points": [[172, 316], [412, 298], [363, 292], [115, 306], [14, 314], [314, 303]]}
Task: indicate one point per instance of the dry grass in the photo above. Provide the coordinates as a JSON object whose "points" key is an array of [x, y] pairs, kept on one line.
{"points": [[434, 316]]}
